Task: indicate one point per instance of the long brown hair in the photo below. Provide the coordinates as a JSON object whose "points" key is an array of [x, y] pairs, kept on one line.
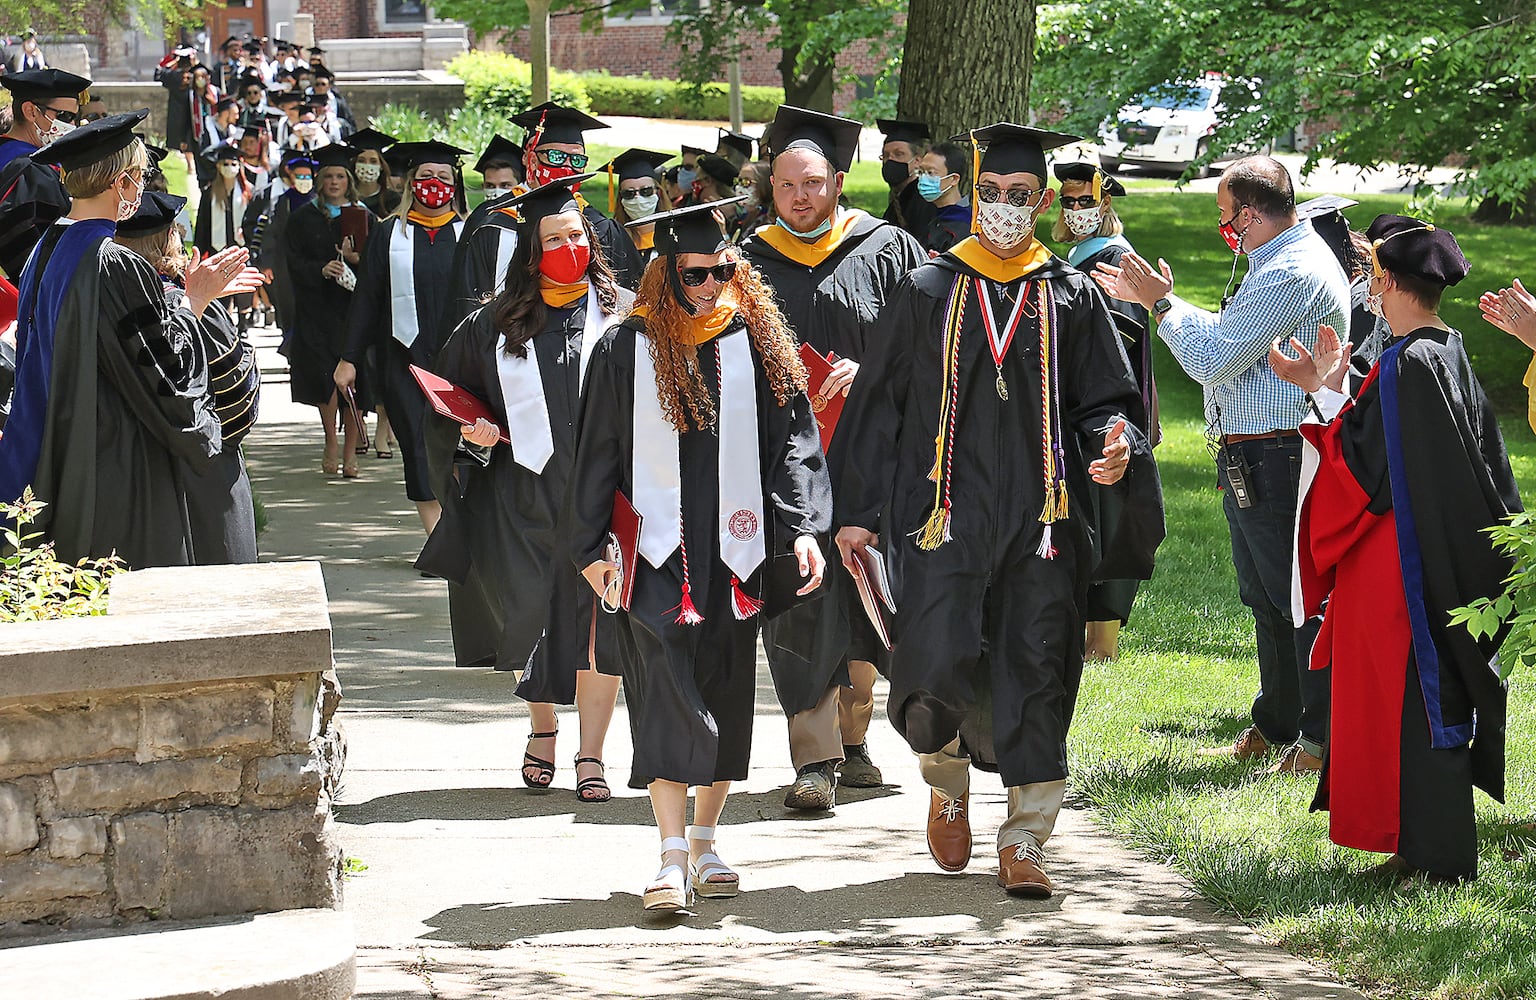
{"points": [[519, 310], [679, 384]]}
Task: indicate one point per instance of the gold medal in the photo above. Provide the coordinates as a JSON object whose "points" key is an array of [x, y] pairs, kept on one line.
{"points": [[1002, 387]]}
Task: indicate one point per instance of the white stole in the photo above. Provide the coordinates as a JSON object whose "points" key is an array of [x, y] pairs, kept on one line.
{"points": [[657, 479], [405, 324], [219, 236], [506, 243], [522, 390]]}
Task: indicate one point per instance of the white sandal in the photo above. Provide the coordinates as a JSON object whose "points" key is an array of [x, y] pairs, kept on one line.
{"points": [[669, 891], [702, 874]]}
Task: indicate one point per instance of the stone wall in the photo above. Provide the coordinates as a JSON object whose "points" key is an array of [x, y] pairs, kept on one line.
{"points": [[159, 763]]}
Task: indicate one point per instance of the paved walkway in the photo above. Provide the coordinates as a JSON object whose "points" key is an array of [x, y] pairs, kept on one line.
{"points": [[477, 887]]}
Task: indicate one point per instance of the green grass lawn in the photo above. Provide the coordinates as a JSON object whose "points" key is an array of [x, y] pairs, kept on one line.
{"points": [[1187, 675]]}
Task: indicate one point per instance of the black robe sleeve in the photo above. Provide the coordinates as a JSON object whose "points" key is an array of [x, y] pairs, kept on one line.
{"points": [[603, 442], [32, 198], [368, 321]]}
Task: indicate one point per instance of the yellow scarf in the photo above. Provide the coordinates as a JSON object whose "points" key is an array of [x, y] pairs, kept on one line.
{"points": [[994, 268], [559, 296], [419, 217], [1530, 402], [813, 253], [518, 190], [708, 326]]}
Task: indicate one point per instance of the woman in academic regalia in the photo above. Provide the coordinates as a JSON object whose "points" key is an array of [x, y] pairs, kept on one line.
{"points": [[696, 411], [371, 171], [298, 174], [225, 200], [521, 605], [322, 265], [635, 195], [401, 301], [1089, 223]]}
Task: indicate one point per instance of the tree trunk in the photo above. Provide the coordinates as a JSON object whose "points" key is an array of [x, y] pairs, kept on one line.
{"points": [[967, 64], [538, 49], [813, 88]]}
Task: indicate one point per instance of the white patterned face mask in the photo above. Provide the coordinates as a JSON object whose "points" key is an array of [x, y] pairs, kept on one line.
{"points": [[1083, 222], [1005, 225]]}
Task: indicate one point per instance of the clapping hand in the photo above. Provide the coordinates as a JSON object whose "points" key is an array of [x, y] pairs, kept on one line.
{"points": [[1135, 280], [1512, 310], [1310, 371], [224, 273]]}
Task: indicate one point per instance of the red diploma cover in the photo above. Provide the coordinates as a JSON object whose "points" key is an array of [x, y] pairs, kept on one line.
{"points": [[354, 223], [455, 403], [624, 545], [826, 410], [874, 590]]}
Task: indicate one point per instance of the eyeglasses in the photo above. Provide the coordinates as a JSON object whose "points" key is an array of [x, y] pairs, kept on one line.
{"points": [[1086, 201], [634, 193], [560, 158], [67, 117], [1017, 197], [693, 277], [932, 173], [87, 119]]}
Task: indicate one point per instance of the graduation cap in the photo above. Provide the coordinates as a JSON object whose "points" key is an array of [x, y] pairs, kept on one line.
{"points": [[695, 150], [294, 160], [224, 104], [317, 102], [834, 138], [315, 50], [335, 154], [286, 99], [695, 229], [322, 73], [899, 131], [156, 153], [499, 150], [157, 213], [733, 145], [1418, 249], [557, 196], [213, 154], [549, 122], [94, 142], [416, 153], [397, 159], [1013, 149], [371, 138], [1087, 172], [250, 78], [231, 40], [718, 167], [1326, 213], [1323, 206], [631, 165], [252, 47], [38, 85]]}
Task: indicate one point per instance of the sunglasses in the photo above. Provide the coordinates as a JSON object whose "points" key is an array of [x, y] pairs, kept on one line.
{"points": [[560, 158], [67, 117], [634, 193], [693, 277], [1086, 201], [1017, 197]]}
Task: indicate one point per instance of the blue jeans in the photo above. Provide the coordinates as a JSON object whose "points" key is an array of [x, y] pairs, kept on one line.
{"points": [[1293, 701]]}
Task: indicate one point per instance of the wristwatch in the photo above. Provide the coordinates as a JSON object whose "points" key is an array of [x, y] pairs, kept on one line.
{"points": [[1161, 306]]}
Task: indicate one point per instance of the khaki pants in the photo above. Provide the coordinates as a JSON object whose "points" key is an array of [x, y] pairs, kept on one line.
{"points": [[1032, 809], [840, 717]]}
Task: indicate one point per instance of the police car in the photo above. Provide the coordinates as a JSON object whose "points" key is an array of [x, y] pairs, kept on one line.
{"points": [[1170, 127]]}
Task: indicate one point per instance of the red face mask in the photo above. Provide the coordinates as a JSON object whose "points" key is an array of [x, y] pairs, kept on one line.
{"points": [[432, 192], [566, 264], [544, 174], [1229, 233]]}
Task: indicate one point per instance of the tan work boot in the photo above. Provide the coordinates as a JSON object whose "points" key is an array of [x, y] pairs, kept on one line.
{"points": [[1249, 745], [1021, 872]]}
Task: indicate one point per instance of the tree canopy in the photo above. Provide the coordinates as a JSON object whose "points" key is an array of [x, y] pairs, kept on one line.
{"points": [[70, 16]]}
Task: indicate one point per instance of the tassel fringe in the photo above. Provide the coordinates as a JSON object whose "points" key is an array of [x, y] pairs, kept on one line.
{"points": [[934, 532], [687, 614], [744, 607], [1046, 549]]}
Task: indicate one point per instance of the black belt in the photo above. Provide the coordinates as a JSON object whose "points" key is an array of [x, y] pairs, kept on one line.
{"points": [[1285, 435]]}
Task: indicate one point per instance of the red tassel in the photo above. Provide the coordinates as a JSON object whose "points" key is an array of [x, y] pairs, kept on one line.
{"points": [[745, 607], [687, 614]]}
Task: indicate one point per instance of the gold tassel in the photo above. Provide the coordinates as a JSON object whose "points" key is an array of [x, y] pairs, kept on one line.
{"points": [[934, 532], [975, 178]]}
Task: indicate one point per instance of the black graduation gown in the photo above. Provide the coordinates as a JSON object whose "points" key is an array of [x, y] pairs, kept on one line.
{"points": [[910, 210], [202, 229], [1453, 481], [32, 198], [272, 254], [838, 306], [127, 404], [1111, 600], [950, 225], [382, 202], [370, 325], [320, 321], [690, 688], [515, 599], [983, 610], [178, 110]]}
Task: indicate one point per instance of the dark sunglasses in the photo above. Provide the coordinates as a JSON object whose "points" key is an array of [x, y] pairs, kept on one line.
{"points": [[560, 158], [1086, 201], [1017, 197], [644, 192], [67, 117], [87, 119], [693, 277]]}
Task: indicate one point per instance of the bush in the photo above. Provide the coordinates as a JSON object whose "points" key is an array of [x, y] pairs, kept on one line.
{"points": [[644, 97], [34, 584], [503, 84], [469, 127]]}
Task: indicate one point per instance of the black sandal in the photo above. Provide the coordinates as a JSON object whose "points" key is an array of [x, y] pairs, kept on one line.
{"points": [[545, 768], [593, 789]]}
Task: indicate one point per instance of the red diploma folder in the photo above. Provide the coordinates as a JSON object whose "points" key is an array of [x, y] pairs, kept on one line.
{"points": [[826, 410], [354, 223], [874, 590], [624, 546], [455, 403]]}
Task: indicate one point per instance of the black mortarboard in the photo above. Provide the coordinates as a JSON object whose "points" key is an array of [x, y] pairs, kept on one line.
{"points": [[322, 73], [286, 98], [695, 150], [371, 138], [224, 104], [214, 154], [835, 138], [38, 85], [559, 124], [430, 151], [1087, 172], [1323, 205], [317, 102], [335, 154], [94, 142], [549, 199], [231, 40], [900, 131], [636, 164], [733, 145], [293, 159], [397, 159], [156, 153], [1418, 249], [315, 50], [282, 45], [157, 213], [252, 47], [1326, 213], [499, 150], [1014, 149], [250, 77], [718, 167], [695, 229]]}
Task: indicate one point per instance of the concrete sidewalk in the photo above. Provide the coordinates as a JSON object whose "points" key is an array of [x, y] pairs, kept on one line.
{"points": [[478, 887]]}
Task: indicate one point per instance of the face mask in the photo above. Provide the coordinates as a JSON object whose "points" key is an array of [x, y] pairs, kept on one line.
{"points": [[1083, 222], [566, 264], [1229, 233], [825, 227], [368, 173], [492, 193], [1005, 225], [638, 207], [433, 192], [229, 169], [930, 187], [303, 185], [895, 173], [1373, 303], [685, 178], [56, 129], [543, 174], [126, 209]]}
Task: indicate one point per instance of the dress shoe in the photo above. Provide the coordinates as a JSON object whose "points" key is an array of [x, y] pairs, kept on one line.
{"points": [[1249, 745], [1295, 760], [949, 831], [815, 788], [1020, 871], [857, 770]]}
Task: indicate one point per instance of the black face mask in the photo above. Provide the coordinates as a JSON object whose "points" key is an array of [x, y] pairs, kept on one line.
{"points": [[895, 173]]}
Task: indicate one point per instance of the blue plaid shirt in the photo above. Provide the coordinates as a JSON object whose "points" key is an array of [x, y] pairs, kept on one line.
{"points": [[1294, 284]]}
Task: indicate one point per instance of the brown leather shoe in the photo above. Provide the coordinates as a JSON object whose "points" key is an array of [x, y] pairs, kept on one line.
{"points": [[1020, 871], [1249, 745], [949, 831], [1295, 761]]}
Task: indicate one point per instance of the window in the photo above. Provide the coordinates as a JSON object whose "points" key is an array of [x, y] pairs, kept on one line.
{"points": [[405, 11], [658, 12]]}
